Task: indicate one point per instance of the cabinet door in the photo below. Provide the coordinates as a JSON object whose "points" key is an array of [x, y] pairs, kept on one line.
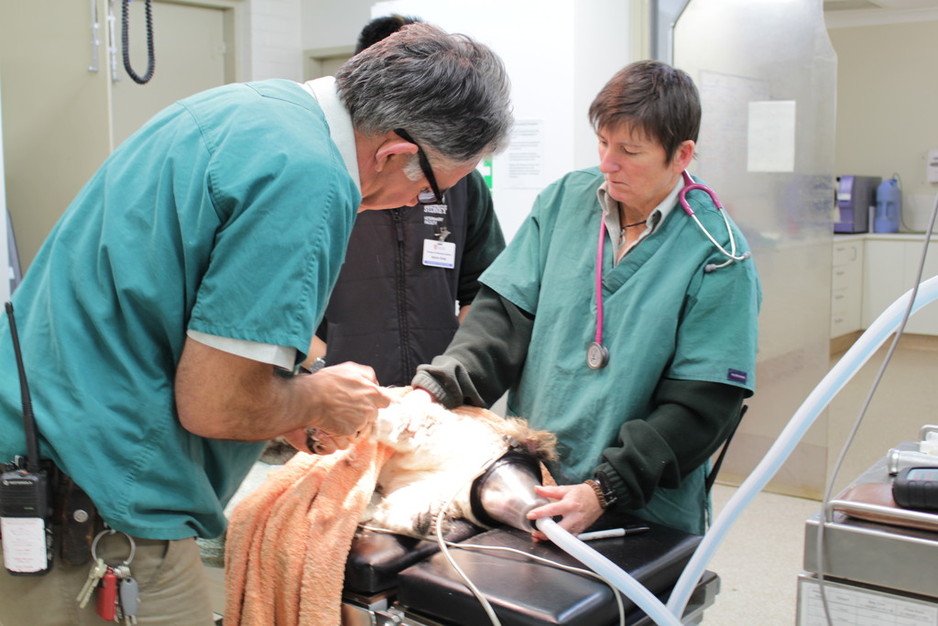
{"points": [[925, 321], [846, 288], [189, 56], [890, 268], [884, 269]]}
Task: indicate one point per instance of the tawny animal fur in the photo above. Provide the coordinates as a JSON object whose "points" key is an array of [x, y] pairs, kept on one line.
{"points": [[438, 453]]}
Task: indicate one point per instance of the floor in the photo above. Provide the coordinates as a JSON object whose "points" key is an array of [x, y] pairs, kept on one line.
{"points": [[759, 561]]}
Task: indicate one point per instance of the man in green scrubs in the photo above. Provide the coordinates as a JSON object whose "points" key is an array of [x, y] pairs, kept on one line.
{"points": [[642, 377], [162, 320]]}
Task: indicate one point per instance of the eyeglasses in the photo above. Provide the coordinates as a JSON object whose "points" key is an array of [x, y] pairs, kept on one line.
{"points": [[424, 164]]}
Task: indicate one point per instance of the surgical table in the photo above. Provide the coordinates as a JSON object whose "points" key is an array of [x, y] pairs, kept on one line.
{"points": [[398, 580]]}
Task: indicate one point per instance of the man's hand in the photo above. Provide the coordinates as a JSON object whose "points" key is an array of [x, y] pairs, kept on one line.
{"points": [[346, 398]]}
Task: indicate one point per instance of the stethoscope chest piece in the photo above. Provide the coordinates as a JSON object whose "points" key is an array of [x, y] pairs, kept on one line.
{"points": [[597, 355]]}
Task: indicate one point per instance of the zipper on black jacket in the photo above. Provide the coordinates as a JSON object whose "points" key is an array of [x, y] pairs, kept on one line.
{"points": [[401, 285]]}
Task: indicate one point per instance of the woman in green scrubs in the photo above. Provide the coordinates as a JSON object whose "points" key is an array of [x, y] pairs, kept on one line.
{"points": [[641, 377]]}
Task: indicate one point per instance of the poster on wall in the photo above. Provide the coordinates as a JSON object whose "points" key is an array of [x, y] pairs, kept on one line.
{"points": [[525, 156]]}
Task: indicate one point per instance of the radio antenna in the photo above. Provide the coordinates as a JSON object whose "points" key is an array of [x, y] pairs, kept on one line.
{"points": [[29, 420]]}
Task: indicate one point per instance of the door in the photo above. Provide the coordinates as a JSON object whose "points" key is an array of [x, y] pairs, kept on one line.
{"points": [[189, 56]]}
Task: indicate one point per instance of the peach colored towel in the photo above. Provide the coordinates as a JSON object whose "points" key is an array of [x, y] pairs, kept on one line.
{"points": [[288, 541]]}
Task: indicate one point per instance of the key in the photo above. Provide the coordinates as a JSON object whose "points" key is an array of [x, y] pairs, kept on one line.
{"points": [[107, 596], [129, 599], [98, 569], [122, 571]]}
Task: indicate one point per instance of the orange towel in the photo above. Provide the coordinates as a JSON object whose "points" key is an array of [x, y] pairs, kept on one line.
{"points": [[288, 541]]}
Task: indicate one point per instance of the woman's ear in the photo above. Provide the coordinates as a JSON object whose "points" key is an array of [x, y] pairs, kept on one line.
{"points": [[684, 154]]}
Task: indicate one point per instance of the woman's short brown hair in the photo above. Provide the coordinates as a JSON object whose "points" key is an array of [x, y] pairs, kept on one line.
{"points": [[651, 96]]}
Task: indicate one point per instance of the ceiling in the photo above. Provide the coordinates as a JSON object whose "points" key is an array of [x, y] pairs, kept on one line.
{"points": [[841, 5]]}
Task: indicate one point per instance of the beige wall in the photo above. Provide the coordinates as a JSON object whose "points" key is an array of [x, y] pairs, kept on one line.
{"points": [[887, 100], [55, 112], [61, 119]]}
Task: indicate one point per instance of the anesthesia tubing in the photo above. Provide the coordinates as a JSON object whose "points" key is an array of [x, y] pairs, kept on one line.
{"points": [[634, 590], [861, 351]]}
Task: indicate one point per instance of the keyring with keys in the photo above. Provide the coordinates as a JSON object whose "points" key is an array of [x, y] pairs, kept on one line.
{"points": [[117, 591], [111, 531]]}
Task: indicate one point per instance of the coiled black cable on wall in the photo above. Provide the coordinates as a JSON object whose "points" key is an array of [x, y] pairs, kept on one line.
{"points": [[125, 42]]}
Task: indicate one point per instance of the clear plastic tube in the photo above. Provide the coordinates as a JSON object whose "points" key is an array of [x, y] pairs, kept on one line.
{"points": [[804, 417], [634, 590]]}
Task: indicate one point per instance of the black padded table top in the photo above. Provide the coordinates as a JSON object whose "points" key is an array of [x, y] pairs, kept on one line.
{"points": [[526, 593], [376, 558]]}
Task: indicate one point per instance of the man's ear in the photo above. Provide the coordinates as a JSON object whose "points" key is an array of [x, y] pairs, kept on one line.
{"points": [[392, 146]]}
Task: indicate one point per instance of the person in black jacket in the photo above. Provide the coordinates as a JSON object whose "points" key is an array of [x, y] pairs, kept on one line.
{"points": [[411, 272]]}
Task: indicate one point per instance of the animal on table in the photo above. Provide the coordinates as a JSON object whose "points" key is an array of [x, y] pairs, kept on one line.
{"points": [[437, 455]]}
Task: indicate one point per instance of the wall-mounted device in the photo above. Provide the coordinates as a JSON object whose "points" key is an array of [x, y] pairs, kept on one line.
{"points": [[856, 199], [931, 166]]}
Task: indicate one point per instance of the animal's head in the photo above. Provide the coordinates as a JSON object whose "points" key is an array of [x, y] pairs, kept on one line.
{"points": [[413, 422], [438, 454]]}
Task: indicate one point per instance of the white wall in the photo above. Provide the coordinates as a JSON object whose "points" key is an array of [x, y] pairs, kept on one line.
{"points": [[276, 40], [886, 92], [332, 24], [558, 55]]}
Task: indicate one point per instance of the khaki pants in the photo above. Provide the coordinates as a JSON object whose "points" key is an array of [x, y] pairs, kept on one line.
{"points": [[173, 587]]}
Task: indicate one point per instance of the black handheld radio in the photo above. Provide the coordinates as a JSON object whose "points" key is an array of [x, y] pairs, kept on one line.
{"points": [[916, 488], [25, 493]]}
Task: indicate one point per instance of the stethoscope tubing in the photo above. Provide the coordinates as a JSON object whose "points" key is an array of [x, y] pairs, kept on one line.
{"points": [[731, 254], [690, 185]]}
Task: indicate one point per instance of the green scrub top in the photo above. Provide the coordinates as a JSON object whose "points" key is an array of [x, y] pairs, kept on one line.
{"points": [[664, 317], [228, 214]]}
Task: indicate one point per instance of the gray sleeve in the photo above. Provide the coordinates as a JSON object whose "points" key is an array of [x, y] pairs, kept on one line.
{"points": [[485, 356]]}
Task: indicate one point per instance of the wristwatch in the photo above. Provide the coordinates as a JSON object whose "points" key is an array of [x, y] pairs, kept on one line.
{"points": [[603, 490]]}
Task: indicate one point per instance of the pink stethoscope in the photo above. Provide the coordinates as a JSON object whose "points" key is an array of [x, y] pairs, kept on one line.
{"points": [[597, 355]]}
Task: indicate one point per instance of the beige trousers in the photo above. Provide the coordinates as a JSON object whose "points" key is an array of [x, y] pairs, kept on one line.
{"points": [[173, 587]]}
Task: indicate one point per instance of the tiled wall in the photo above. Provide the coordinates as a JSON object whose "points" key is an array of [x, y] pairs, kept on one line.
{"points": [[276, 44]]}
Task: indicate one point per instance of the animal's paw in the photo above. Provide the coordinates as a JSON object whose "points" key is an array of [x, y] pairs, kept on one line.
{"points": [[423, 523]]}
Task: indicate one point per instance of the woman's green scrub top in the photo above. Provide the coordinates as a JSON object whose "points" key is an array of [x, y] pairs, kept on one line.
{"points": [[664, 317], [228, 214]]}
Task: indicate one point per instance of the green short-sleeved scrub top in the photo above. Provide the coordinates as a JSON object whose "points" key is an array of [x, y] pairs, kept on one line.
{"points": [[664, 317], [228, 214]]}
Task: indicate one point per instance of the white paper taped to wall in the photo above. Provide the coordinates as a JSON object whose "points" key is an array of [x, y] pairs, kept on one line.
{"points": [[771, 138]]}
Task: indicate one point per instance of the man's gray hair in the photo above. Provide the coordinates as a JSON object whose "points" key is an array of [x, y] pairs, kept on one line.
{"points": [[450, 93]]}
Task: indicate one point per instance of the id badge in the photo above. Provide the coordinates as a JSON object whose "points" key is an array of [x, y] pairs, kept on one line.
{"points": [[439, 253]]}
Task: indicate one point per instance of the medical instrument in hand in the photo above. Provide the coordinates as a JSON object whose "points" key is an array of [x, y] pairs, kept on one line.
{"points": [[597, 355]]}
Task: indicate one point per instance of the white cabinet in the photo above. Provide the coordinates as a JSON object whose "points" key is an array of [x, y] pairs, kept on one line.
{"points": [[869, 272], [846, 286], [890, 267]]}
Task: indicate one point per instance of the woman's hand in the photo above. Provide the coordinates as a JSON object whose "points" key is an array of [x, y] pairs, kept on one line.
{"points": [[576, 504]]}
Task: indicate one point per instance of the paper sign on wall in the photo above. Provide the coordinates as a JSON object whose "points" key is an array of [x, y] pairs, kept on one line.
{"points": [[771, 136]]}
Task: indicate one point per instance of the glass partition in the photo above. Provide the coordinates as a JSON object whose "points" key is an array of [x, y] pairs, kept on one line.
{"points": [[767, 77]]}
